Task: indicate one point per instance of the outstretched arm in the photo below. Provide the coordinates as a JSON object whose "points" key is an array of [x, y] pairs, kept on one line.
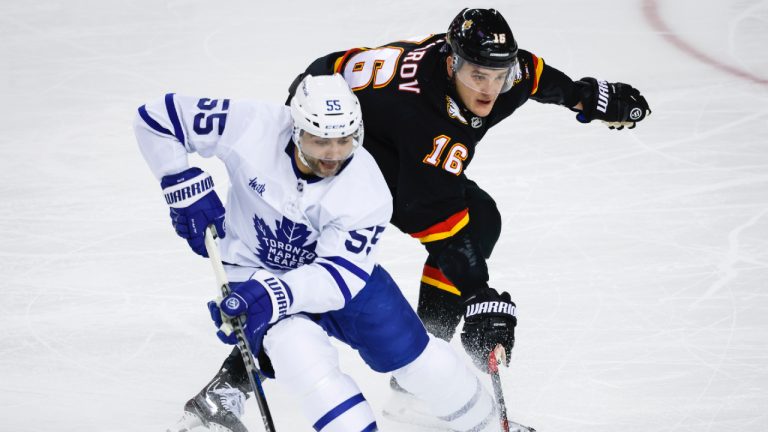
{"points": [[617, 104]]}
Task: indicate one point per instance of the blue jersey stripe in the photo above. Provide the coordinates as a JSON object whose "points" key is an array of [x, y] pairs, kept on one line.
{"points": [[344, 263], [178, 132], [151, 122], [371, 428], [337, 411], [339, 280]]}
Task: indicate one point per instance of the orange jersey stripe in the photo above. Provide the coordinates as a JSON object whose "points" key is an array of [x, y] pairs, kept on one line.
{"points": [[436, 274], [538, 66], [434, 277], [339, 63], [444, 229]]}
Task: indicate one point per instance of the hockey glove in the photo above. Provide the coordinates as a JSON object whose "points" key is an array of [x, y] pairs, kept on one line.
{"points": [[616, 104], [489, 320], [194, 205], [264, 300]]}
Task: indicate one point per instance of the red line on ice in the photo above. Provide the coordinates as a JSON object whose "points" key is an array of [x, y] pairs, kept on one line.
{"points": [[651, 11]]}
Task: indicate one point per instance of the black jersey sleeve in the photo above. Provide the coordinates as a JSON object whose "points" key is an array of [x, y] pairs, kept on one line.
{"points": [[325, 65], [321, 66], [550, 85]]}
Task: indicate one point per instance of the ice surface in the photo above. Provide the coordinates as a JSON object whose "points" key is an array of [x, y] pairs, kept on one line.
{"points": [[638, 260]]}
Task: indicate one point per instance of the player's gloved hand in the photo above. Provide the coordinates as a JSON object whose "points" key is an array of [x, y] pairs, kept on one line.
{"points": [[616, 104], [263, 300], [194, 205], [489, 320]]}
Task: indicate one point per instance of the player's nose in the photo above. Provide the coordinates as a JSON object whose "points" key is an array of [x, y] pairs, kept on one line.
{"points": [[336, 151], [490, 88]]}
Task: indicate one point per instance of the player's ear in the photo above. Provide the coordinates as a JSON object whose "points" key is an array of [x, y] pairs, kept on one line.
{"points": [[449, 65]]}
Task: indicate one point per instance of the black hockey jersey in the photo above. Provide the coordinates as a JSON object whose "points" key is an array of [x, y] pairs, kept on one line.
{"points": [[419, 132]]}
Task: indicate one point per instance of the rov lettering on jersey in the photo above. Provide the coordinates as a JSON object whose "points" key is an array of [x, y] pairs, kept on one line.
{"points": [[379, 66]]}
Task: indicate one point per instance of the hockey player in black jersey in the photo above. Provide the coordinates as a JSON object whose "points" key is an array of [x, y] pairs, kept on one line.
{"points": [[426, 105]]}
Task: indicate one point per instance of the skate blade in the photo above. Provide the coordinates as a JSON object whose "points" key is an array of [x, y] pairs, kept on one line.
{"points": [[190, 421], [517, 427], [186, 423], [215, 427], [404, 408]]}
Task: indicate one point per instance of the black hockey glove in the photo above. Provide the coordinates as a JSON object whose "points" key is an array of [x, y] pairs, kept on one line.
{"points": [[616, 104], [489, 320]]}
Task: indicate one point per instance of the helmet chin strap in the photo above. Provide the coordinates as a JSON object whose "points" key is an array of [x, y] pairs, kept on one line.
{"points": [[297, 141], [302, 158]]}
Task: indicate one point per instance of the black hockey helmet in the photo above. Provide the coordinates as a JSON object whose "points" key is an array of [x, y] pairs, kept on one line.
{"points": [[482, 37]]}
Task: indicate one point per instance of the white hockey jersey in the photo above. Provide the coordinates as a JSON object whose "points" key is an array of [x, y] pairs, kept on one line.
{"points": [[318, 235]]}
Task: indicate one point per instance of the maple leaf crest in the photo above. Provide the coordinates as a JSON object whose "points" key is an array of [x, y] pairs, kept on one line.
{"points": [[284, 248]]}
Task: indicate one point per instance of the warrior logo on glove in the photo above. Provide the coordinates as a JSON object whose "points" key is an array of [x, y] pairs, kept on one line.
{"points": [[490, 307], [489, 320], [616, 104]]}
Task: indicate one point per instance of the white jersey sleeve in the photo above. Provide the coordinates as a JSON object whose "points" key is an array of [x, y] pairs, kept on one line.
{"points": [[170, 128]]}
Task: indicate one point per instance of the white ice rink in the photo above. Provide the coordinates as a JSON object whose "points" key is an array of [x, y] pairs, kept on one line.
{"points": [[638, 259]]}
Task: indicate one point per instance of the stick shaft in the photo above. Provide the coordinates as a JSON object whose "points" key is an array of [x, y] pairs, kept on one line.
{"points": [[237, 324], [494, 358]]}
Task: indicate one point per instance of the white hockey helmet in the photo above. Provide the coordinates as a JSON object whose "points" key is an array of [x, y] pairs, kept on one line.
{"points": [[325, 107]]}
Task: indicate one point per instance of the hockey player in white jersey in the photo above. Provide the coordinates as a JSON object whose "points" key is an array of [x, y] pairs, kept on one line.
{"points": [[305, 209]]}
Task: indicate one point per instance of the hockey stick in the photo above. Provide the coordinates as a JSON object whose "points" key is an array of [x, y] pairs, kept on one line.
{"points": [[237, 324], [496, 357]]}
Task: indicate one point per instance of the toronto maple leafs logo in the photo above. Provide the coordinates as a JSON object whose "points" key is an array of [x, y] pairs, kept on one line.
{"points": [[283, 249]]}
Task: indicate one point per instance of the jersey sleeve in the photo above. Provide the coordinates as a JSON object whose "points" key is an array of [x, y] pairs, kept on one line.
{"points": [[347, 247], [549, 85], [328, 64], [170, 128]]}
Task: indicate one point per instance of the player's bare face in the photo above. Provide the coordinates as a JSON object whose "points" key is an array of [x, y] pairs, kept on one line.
{"points": [[478, 87], [324, 156]]}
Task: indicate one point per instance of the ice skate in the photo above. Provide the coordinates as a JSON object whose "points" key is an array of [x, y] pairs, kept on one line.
{"points": [[404, 407], [217, 407]]}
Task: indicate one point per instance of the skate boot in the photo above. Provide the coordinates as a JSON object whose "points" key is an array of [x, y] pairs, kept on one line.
{"points": [[219, 405], [404, 407]]}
